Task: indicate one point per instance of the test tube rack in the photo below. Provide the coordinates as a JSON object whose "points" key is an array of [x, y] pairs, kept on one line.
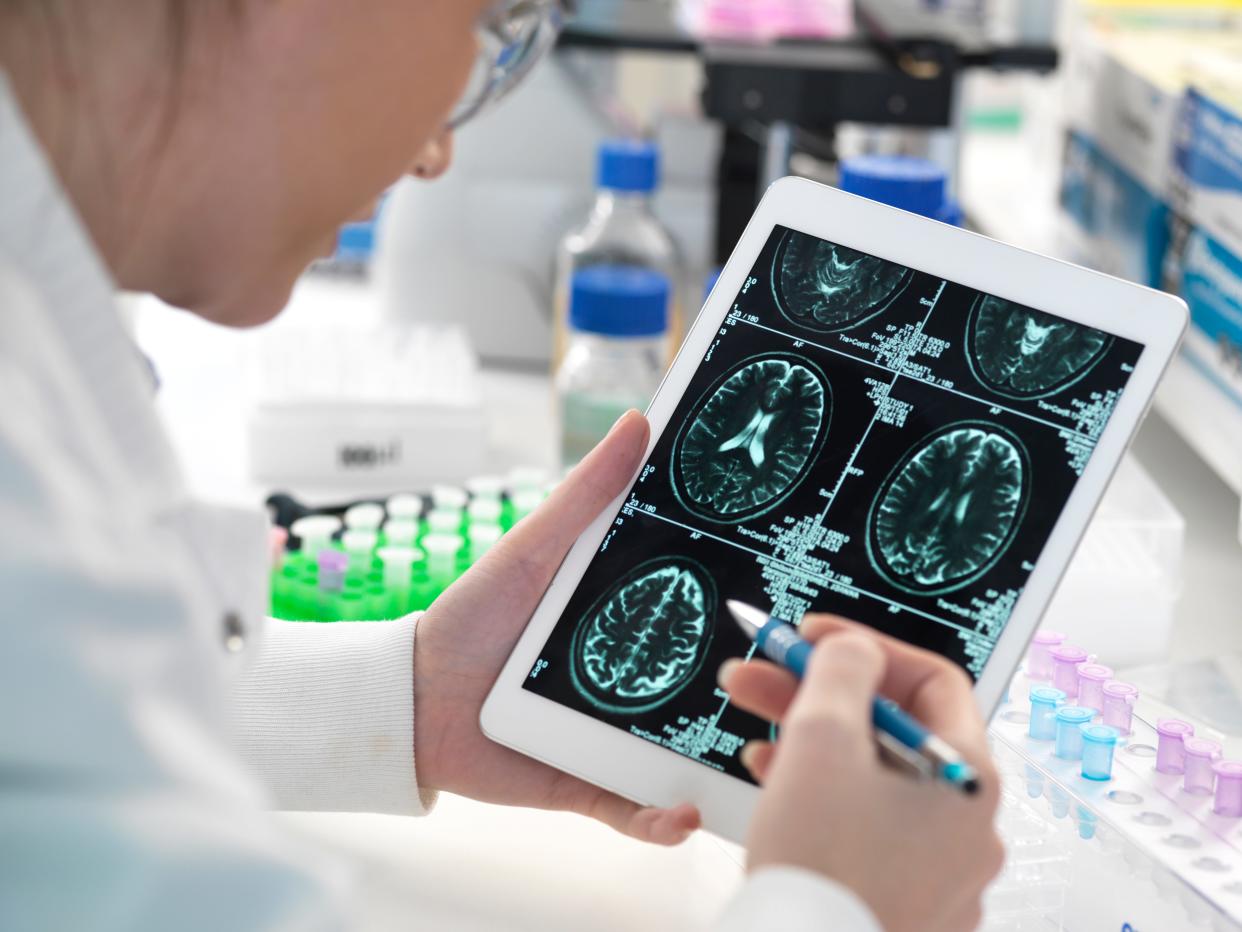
{"points": [[1136, 851], [442, 534]]}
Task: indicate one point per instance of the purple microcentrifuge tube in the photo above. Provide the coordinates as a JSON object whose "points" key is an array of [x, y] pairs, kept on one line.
{"points": [[332, 566], [1065, 662], [1170, 752], [1091, 680], [1038, 658], [1119, 699], [1201, 754], [1228, 788]]}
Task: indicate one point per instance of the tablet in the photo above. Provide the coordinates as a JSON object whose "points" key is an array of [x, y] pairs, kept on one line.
{"points": [[875, 415]]}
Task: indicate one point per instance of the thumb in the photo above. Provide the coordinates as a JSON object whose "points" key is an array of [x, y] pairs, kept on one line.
{"points": [[836, 695], [546, 535]]}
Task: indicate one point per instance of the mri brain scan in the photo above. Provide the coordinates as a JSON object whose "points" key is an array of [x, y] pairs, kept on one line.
{"points": [[752, 438], [646, 636], [827, 287], [1021, 353], [949, 509]]}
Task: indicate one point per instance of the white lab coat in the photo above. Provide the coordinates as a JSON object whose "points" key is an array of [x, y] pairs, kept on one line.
{"points": [[149, 711]]}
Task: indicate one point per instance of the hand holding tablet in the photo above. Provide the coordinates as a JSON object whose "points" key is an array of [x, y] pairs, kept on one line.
{"points": [[875, 415]]}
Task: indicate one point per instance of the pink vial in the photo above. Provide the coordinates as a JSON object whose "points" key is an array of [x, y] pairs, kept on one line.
{"points": [[277, 540], [1119, 699], [1170, 751], [1201, 754], [1091, 680], [1065, 662], [1038, 657], [1228, 788]]}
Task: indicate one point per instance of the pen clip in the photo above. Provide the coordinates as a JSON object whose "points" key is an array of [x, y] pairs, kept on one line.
{"points": [[902, 758]]}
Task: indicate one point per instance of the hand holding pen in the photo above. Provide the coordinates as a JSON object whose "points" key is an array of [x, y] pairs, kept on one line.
{"points": [[917, 855]]}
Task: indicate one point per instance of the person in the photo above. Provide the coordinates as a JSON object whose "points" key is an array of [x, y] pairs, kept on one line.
{"points": [[207, 152]]}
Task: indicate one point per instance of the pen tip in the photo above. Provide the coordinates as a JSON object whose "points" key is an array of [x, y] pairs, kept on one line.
{"points": [[970, 787]]}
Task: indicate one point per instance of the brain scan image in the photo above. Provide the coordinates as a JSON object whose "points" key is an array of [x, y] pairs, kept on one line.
{"points": [[949, 509], [752, 438], [645, 638], [1021, 353], [827, 287]]}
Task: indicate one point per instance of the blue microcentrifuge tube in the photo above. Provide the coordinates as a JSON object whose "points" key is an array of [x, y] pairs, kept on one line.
{"points": [[1070, 720], [1098, 742], [1044, 702]]}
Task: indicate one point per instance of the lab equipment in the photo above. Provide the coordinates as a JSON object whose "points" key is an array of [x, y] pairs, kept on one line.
{"points": [[1038, 658], [349, 406], [365, 516], [1098, 742], [359, 543], [1043, 715], [898, 732], [1119, 699], [1228, 800], [332, 566], [277, 540], [1070, 722], [315, 531], [400, 532], [1121, 591], [401, 567], [622, 230], [616, 355], [1170, 751], [482, 537], [1066, 659], [1091, 680], [406, 507], [903, 181], [766, 20], [1110, 842], [1201, 755]]}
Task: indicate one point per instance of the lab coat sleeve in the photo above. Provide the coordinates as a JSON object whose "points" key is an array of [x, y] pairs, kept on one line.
{"points": [[325, 717], [793, 900]]}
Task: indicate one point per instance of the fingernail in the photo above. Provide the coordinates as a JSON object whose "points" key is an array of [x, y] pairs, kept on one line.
{"points": [[747, 755], [617, 422], [726, 670]]}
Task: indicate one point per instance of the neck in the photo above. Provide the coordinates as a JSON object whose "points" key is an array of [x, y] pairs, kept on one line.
{"points": [[99, 123]]}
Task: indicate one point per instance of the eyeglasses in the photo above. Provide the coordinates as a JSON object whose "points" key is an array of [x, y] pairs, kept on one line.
{"points": [[514, 35]]}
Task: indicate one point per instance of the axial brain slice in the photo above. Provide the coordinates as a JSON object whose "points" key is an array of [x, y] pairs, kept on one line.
{"points": [[828, 287], [644, 639], [949, 510], [1021, 352], [752, 440]]}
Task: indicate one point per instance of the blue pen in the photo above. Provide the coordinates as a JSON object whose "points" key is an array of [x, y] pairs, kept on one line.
{"points": [[897, 732]]}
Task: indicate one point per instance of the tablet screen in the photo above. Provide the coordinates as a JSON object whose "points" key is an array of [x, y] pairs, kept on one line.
{"points": [[859, 438]]}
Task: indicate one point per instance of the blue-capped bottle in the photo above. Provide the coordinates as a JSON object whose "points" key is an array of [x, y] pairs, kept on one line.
{"points": [[616, 352], [622, 229], [914, 184]]}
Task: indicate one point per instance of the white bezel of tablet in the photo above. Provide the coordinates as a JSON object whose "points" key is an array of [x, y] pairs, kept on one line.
{"points": [[643, 771]]}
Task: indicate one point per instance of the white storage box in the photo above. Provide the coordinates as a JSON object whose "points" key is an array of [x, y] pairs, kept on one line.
{"points": [[1119, 594], [371, 409]]}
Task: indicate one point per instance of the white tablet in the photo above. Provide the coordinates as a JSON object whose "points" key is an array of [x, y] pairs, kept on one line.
{"points": [[875, 415]]}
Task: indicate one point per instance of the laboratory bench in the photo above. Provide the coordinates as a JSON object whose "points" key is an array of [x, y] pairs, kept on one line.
{"points": [[471, 866]]}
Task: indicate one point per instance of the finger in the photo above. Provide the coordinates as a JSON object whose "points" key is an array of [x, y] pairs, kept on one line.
{"points": [[757, 757], [837, 693], [538, 544], [646, 823], [758, 687], [935, 690]]}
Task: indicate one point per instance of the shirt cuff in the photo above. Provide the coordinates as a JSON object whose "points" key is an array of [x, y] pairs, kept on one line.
{"points": [[325, 716], [793, 899]]}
